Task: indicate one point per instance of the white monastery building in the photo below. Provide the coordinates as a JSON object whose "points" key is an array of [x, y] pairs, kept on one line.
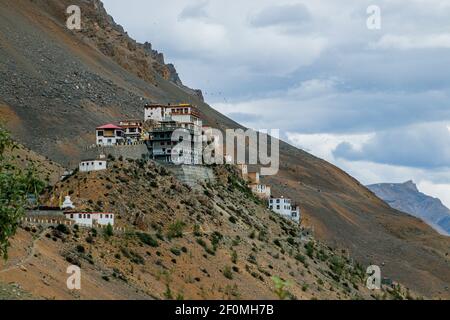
{"points": [[177, 134], [132, 130], [92, 165], [182, 113], [285, 208], [109, 135], [89, 219], [262, 191]]}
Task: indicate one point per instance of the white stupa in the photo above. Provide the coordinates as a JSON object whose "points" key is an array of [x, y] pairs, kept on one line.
{"points": [[67, 204]]}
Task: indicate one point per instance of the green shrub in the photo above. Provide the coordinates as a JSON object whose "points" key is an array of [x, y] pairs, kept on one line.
{"points": [[216, 237], [197, 231], [232, 219], [154, 184], [176, 230], [175, 251], [310, 249], [147, 239], [291, 241], [280, 287], [62, 228], [228, 273], [234, 256], [337, 265], [108, 231], [301, 258], [133, 256]]}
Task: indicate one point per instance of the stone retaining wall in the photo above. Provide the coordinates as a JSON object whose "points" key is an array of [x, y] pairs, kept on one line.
{"points": [[192, 175]]}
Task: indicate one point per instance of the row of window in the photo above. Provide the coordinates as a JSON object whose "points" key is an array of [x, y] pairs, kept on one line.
{"points": [[118, 133], [279, 207], [293, 213], [92, 163], [107, 141], [278, 201], [88, 216]]}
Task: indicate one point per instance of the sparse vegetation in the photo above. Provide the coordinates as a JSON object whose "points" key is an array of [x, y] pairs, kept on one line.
{"points": [[227, 273], [280, 287], [147, 239], [15, 185], [176, 230], [108, 231]]}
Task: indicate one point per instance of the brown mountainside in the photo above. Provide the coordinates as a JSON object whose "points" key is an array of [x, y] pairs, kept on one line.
{"points": [[57, 85]]}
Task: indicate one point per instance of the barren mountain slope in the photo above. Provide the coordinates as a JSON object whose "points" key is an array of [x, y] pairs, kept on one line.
{"points": [[214, 242], [57, 85]]}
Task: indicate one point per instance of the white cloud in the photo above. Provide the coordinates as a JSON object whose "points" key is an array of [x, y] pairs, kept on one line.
{"points": [[406, 42], [281, 15], [441, 191], [424, 145], [432, 182], [322, 145]]}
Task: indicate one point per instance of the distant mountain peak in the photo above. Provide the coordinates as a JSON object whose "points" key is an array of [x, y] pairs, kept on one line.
{"points": [[406, 197], [411, 185]]}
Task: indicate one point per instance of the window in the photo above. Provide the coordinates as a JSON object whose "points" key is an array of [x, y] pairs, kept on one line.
{"points": [[294, 214], [80, 216], [100, 133], [101, 216], [71, 216], [100, 163], [278, 207]]}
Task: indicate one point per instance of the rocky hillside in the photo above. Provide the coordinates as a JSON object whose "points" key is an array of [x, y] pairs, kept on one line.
{"points": [[57, 85], [214, 242], [406, 197]]}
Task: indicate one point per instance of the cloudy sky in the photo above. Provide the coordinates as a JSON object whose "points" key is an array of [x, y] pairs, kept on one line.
{"points": [[375, 102]]}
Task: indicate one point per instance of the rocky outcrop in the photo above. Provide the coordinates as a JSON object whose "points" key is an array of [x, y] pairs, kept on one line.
{"points": [[101, 31]]}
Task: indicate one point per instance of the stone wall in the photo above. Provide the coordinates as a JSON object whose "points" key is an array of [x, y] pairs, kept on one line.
{"points": [[192, 175]]}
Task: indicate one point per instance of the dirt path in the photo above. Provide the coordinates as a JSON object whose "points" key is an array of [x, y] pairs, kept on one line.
{"points": [[28, 257]]}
